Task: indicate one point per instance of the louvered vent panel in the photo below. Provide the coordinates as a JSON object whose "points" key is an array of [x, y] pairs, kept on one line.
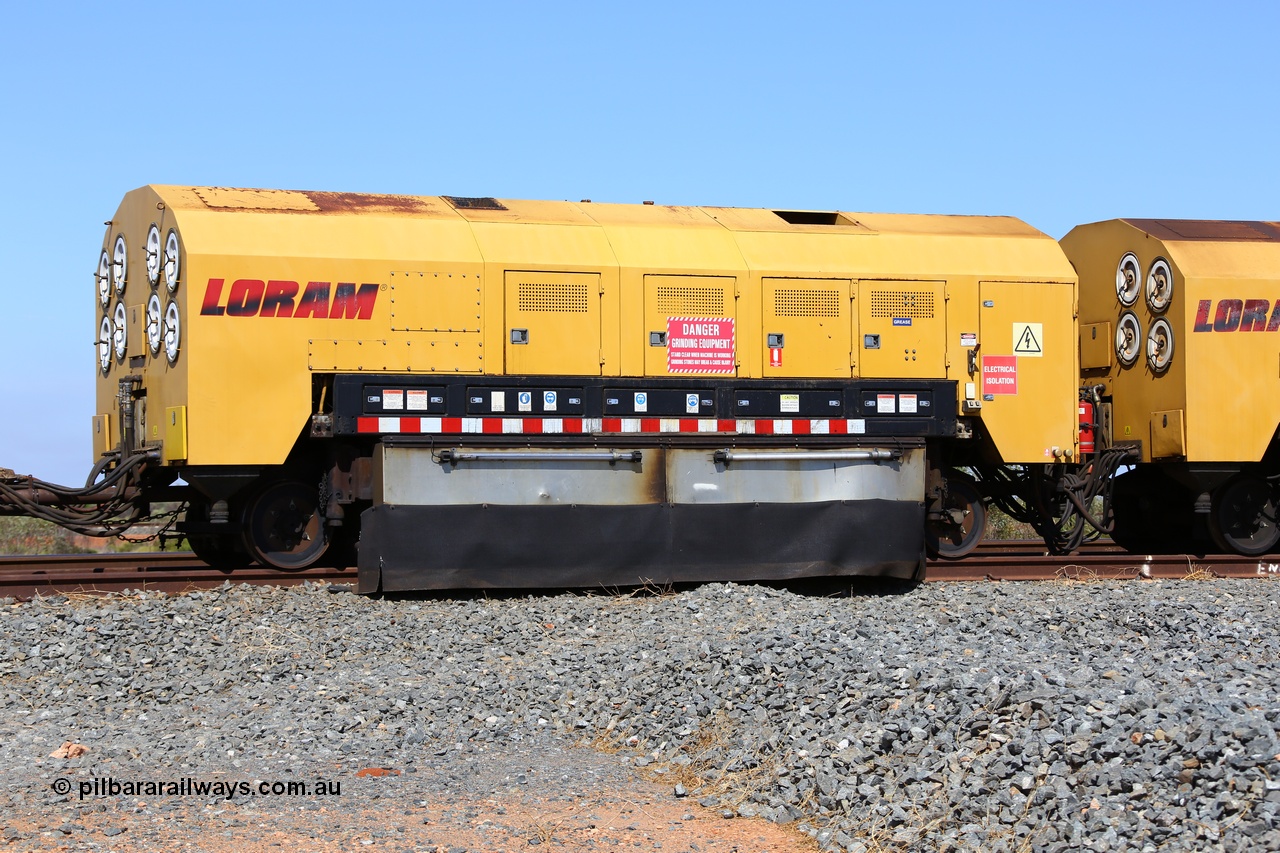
{"points": [[553, 298], [806, 303], [691, 301], [901, 303]]}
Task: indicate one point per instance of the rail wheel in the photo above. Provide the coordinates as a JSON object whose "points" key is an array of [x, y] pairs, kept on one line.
{"points": [[956, 527], [283, 526], [1152, 514], [220, 552], [1242, 518]]}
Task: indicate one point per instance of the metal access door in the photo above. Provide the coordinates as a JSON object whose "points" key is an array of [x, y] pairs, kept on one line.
{"points": [[902, 330], [553, 323], [690, 323], [806, 332], [1028, 374]]}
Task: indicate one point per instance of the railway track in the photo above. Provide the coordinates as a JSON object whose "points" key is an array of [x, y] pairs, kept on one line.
{"points": [[1026, 560], [175, 571], [998, 560]]}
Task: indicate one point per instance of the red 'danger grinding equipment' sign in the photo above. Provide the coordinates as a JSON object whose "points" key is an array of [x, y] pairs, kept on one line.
{"points": [[700, 345], [999, 374]]}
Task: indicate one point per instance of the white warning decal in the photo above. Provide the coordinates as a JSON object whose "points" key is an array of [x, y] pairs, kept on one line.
{"points": [[1028, 339]]}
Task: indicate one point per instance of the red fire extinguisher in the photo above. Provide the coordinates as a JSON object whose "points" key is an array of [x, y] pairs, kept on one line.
{"points": [[1086, 427]]}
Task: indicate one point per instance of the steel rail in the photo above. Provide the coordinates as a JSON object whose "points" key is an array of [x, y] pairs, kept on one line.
{"points": [[1021, 560], [25, 577]]}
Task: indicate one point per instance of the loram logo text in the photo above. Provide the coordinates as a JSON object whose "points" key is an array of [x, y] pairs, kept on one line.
{"points": [[1237, 315], [252, 297]]}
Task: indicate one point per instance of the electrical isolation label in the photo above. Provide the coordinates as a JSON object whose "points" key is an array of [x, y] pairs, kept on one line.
{"points": [[700, 345], [1028, 339], [1000, 374]]}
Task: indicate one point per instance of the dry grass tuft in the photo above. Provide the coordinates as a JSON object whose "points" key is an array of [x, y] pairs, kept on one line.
{"points": [[1089, 574], [1199, 573], [707, 773], [711, 762], [1076, 572], [652, 589]]}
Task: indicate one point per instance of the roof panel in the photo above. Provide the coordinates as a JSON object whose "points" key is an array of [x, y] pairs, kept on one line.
{"points": [[1221, 230]]}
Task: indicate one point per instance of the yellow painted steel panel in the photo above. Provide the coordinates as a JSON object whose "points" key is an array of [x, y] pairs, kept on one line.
{"points": [[902, 329], [528, 211], [692, 297], [906, 256], [789, 221], [103, 442], [1167, 434], [829, 222], [426, 353], [436, 302], [1222, 373], [250, 361], [249, 370], [175, 433], [1097, 346], [255, 199], [136, 341], [658, 240], [667, 220], [812, 318], [1029, 402], [533, 245], [553, 323], [963, 341], [1232, 391]]}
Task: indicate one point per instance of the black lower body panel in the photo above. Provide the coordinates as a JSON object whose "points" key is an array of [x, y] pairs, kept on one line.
{"points": [[452, 547]]}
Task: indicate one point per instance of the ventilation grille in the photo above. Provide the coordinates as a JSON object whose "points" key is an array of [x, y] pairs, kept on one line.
{"points": [[806, 303], [552, 298], [691, 301], [901, 303], [469, 203]]}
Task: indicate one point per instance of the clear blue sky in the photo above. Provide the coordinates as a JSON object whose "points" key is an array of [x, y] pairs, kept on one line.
{"points": [[1056, 113]]}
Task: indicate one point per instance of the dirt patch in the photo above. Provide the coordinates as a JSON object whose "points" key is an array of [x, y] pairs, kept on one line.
{"points": [[487, 797], [640, 817]]}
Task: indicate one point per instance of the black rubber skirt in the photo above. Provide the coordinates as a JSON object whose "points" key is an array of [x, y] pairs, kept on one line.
{"points": [[406, 548]]}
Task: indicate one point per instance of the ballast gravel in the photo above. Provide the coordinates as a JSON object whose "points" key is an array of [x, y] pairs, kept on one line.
{"points": [[1043, 716]]}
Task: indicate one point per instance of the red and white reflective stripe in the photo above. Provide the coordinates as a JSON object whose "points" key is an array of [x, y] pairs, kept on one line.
{"points": [[546, 426]]}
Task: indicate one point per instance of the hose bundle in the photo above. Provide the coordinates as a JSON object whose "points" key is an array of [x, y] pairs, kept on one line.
{"points": [[1058, 501], [102, 507]]}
